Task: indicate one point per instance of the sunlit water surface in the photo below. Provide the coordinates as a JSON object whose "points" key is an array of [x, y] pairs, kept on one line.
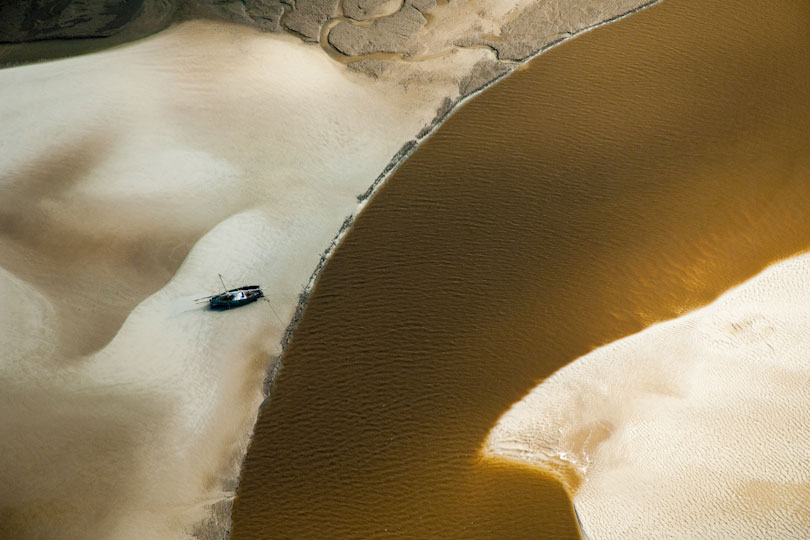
{"points": [[623, 178]]}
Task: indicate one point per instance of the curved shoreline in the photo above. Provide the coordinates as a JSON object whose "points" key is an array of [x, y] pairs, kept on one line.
{"points": [[110, 179], [407, 149], [721, 358], [660, 278]]}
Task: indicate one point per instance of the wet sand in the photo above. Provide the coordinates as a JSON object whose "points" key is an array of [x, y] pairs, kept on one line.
{"points": [[129, 180], [624, 178]]}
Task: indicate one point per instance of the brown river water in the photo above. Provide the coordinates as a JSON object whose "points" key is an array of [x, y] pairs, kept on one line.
{"points": [[623, 178]]}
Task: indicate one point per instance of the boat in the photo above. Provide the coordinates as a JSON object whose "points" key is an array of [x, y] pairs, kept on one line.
{"points": [[234, 298]]}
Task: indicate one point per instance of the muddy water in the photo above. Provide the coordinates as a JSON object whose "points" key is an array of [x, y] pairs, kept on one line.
{"points": [[623, 178]]}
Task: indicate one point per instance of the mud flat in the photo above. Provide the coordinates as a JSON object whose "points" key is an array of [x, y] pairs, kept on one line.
{"points": [[130, 178]]}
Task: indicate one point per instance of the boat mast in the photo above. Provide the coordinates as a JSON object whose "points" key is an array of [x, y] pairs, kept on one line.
{"points": [[223, 283]]}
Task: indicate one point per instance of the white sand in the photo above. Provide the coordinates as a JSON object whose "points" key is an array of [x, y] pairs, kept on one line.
{"points": [[128, 180], [693, 428]]}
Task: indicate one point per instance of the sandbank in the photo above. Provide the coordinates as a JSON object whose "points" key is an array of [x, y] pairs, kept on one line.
{"points": [[692, 428]]}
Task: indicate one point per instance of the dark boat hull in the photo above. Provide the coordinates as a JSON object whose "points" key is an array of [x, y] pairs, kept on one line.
{"points": [[235, 298]]}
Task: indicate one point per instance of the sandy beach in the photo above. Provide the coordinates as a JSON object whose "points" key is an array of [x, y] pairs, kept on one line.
{"points": [[130, 178], [693, 428]]}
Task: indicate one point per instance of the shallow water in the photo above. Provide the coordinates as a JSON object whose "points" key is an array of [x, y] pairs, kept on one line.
{"points": [[622, 178]]}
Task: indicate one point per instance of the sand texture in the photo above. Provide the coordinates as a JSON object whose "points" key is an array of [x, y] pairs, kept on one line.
{"points": [[130, 178], [394, 39], [692, 428]]}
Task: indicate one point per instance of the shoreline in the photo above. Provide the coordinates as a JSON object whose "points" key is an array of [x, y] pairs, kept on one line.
{"points": [[197, 157], [276, 362], [745, 330], [409, 148], [645, 280]]}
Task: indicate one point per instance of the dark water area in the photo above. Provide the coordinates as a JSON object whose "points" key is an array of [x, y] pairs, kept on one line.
{"points": [[623, 178]]}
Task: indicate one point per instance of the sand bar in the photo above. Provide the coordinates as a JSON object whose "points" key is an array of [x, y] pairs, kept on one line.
{"points": [[693, 428]]}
